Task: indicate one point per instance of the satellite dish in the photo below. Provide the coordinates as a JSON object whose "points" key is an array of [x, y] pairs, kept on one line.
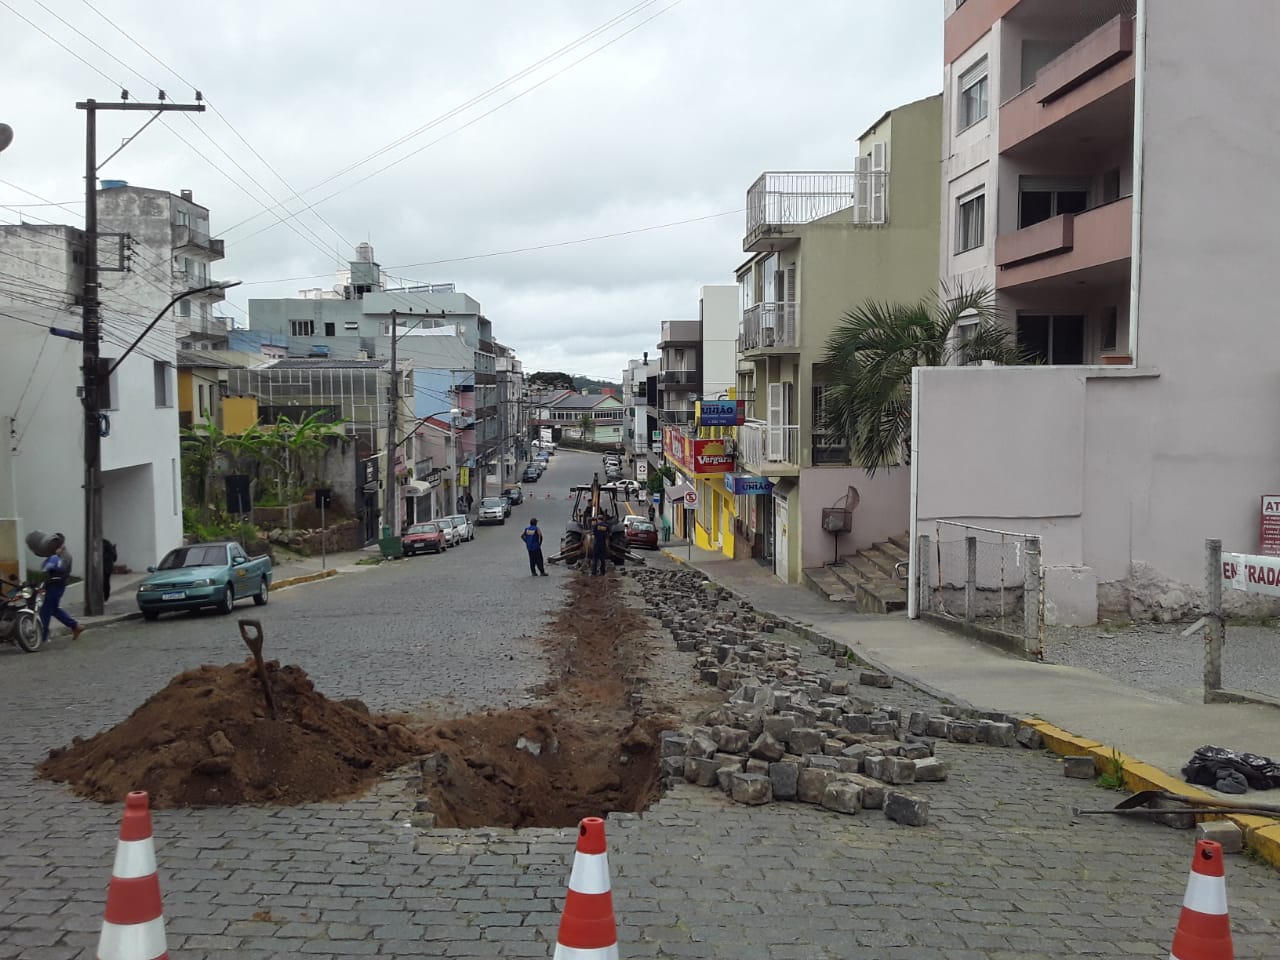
{"points": [[6, 135]]}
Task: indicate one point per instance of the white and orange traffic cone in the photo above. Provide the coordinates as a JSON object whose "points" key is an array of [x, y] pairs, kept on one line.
{"points": [[133, 925], [587, 927], [1204, 929]]}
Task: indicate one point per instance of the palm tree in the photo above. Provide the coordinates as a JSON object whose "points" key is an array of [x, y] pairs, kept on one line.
{"points": [[585, 422], [871, 353]]}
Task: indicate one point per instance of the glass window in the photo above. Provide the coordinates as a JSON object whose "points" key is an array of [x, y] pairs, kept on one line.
{"points": [[971, 215], [1052, 339], [160, 371], [972, 100]]}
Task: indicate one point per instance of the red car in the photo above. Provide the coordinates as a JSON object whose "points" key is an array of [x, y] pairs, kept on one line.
{"points": [[642, 533], [423, 538]]}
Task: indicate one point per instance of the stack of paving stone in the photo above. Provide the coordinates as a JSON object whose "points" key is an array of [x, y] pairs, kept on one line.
{"points": [[790, 733]]}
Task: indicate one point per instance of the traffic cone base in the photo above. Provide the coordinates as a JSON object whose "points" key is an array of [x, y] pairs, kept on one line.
{"points": [[587, 927], [1204, 928], [133, 923]]}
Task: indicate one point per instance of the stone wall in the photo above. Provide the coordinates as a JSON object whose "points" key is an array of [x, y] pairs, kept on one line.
{"points": [[346, 535]]}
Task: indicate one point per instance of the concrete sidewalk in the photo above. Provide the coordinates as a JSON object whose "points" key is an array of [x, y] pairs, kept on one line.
{"points": [[1152, 728]]}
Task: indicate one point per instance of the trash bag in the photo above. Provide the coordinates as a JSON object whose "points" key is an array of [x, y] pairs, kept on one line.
{"points": [[1228, 771], [42, 544]]}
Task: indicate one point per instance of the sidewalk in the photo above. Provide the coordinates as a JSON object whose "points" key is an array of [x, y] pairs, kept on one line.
{"points": [[285, 573], [1159, 731]]}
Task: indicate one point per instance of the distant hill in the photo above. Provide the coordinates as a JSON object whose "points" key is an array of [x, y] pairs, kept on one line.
{"points": [[594, 386]]}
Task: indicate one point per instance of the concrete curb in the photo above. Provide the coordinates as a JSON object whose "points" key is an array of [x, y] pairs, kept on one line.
{"points": [[1261, 834], [305, 578]]}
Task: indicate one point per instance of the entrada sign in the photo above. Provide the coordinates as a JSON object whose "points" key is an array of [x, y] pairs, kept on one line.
{"points": [[1240, 571]]}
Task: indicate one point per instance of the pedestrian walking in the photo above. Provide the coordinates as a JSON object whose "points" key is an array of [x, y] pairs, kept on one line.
{"points": [[57, 571], [109, 557], [470, 500], [532, 538], [600, 546], [653, 513]]}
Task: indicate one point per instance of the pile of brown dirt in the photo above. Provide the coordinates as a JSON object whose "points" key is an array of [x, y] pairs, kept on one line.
{"points": [[593, 750], [206, 740]]}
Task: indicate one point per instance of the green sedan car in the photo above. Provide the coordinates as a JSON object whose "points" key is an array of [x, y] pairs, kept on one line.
{"points": [[204, 575]]}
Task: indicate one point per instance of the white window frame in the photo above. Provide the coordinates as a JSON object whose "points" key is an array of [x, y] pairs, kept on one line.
{"points": [[302, 328], [976, 197], [969, 80]]}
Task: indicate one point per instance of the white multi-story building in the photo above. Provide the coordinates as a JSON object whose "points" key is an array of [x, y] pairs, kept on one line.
{"points": [[155, 246], [1108, 170]]}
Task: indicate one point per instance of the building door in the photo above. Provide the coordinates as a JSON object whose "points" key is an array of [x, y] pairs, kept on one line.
{"points": [[781, 565]]}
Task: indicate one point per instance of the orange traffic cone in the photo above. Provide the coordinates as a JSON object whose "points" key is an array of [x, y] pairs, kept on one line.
{"points": [[1204, 929], [587, 928], [133, 925]]}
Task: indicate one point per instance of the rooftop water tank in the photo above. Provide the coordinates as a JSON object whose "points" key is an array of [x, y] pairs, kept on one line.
{"points": [[364, 252], [113, 184]]}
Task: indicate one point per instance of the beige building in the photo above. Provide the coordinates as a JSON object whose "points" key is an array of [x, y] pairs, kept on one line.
{"points": [[1109, 170], [821, 243]]}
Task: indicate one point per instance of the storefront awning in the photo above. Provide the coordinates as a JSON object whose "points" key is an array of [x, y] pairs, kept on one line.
{"points": [[415, 489], [677, 490]]}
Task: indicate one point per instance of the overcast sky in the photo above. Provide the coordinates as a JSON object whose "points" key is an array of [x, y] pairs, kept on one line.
{"points": [[669, 122]]}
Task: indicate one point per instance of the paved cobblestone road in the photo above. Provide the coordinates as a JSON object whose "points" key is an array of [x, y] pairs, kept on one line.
{"points": [[999, 875]]}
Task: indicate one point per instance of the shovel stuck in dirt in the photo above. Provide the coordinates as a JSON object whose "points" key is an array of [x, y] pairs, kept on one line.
{"points": [[253, 640], [1141, 805]]}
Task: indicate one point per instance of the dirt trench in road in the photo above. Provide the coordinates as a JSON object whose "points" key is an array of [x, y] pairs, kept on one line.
{"points": [[592, 746], [589, 747]]}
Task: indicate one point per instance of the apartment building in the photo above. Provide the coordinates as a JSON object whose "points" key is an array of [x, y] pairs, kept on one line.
{"points": [[639, 407], [1108, 170], [440, 332], [821, 243]]}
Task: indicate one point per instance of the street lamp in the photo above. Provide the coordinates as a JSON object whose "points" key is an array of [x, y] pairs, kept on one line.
{"points": [[220, 285], [6, 136], [93, 602]]}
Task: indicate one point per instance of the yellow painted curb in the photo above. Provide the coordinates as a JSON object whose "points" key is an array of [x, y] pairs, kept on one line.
{"points": [[307, 578], [1261, 834]]}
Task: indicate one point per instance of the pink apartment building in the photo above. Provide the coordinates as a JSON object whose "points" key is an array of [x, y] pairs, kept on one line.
{"points": [[1109, 169]]}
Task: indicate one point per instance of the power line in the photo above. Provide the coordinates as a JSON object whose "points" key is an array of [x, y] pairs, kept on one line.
{"points": [[36, 26], [477, 119], [530, 249]]}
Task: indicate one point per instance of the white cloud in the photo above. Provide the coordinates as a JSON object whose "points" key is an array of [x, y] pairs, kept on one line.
{"points": [[671, 122]]}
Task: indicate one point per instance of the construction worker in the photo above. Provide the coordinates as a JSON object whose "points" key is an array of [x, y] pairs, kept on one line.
{"points": [[600, 545], [532, 538]]}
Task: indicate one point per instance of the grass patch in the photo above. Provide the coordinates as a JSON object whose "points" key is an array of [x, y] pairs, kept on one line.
{"points": [[1112, 777]]}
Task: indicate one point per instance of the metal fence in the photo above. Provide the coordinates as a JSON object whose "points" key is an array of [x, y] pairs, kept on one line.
{"points": [[985, 578], [1246, 586]]}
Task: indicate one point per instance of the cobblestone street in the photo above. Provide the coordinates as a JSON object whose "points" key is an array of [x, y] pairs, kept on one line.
{"points": [[1000, 873]]}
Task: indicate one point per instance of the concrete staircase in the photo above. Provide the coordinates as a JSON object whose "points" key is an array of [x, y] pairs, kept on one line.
{"points": [[868, 579]]}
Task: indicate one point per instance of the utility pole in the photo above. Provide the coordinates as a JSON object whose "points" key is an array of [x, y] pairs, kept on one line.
{"points": [[92, 332], [389, 524]]}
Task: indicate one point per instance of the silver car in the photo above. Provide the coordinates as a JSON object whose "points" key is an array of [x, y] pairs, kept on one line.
{"points": [[492, 510], [462, 527]]}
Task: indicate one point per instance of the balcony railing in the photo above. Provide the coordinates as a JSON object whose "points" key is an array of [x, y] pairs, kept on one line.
{"points": [[678, 416], [761, 446], [190, 240], [769, 326], [680, 378], [782, 199]]}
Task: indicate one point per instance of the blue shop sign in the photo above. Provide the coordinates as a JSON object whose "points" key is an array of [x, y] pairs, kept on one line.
{"points": [[721, 413], [747, 486]]}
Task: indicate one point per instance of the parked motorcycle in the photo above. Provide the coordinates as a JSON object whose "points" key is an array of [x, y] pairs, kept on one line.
{"points": [[19, 622]]}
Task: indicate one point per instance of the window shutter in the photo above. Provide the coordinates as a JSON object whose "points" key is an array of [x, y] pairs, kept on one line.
{"points": [[862, 191], [879, 183]]}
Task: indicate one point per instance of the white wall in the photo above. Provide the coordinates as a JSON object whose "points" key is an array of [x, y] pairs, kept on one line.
{"points": [[721, 316], [883, 509]]}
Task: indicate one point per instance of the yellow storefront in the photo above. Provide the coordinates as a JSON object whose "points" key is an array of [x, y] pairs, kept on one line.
{"points": [[701, 464]]}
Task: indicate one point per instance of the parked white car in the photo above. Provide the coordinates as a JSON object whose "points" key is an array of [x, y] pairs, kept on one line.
{"points": [[462, 526], [627, 485]]}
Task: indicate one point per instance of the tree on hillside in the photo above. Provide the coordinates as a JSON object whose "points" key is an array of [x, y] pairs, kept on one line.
{"points": [[552, 379], [871, 353]]}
